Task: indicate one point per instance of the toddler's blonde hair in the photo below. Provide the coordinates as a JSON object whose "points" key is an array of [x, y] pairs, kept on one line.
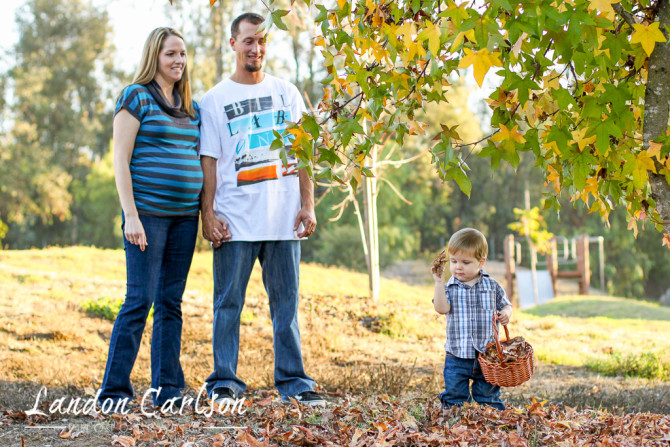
{"points": [[470, 241]]}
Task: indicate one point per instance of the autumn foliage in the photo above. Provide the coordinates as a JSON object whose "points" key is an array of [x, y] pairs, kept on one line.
{"points": [[580, 84]]}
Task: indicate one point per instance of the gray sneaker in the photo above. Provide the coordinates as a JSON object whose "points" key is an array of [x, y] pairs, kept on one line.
{"points": [[307, 397], [223, 396]]}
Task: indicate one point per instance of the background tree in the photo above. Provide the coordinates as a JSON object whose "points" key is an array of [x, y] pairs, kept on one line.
{"points": [[59, 119]]}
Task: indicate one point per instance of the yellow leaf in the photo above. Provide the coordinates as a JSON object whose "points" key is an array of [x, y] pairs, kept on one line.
{"points": [[579, 137], [470, 34], [506, 134], [632, 225], [604, 6], [407, 30], [645, 161], [341, 3], [666, 240], [647, 36], [481, 61], [552, 146], [371, 6], [553, 177], [655, 150], [551, 80], [433, 34]]}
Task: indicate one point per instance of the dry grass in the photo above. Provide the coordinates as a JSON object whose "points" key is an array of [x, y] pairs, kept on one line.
{"points": [[394, 346]]}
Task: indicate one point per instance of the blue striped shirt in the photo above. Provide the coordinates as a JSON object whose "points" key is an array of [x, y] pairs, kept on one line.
{"points": [[165, 166], [469, 325]]}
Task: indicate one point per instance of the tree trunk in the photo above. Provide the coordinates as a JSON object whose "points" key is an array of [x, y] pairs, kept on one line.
{"points": [[370, 206], [656, 111]]}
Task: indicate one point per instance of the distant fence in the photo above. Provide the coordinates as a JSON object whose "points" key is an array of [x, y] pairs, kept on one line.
{"points": [[563, 253]]}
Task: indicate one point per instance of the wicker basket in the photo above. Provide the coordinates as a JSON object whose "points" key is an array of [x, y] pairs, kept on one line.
{"points": [[511, 373]]}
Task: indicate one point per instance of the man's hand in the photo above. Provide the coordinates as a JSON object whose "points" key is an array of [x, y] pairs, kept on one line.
{"points": [[215, 229], [307, 217]]}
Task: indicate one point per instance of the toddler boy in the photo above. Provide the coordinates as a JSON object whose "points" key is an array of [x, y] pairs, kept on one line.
{"points": [[469, 299]]}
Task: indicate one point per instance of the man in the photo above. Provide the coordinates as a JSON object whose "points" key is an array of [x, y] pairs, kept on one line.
{"points": [[251, 209]]}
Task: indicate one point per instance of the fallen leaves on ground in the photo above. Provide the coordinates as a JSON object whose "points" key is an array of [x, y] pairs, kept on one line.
{"points": [[378, 421]]}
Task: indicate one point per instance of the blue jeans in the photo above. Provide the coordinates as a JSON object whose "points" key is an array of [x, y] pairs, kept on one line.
{"points": [[155, 276], [457, 375], [233, 263]]}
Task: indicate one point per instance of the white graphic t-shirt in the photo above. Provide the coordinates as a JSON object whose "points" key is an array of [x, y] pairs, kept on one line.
{"points": [[256, 194]]}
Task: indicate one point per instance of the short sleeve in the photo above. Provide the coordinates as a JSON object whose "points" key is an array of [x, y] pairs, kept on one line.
{"points": [[132, 100], [501, 297], [298, 105], [210, 144]]}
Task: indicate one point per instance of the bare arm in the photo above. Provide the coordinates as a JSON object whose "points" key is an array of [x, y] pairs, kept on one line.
{"points": [[440, 302], [124, 134], [306, 215], [214, 229]]}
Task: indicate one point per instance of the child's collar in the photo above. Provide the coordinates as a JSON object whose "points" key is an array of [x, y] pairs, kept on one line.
{"points": [[454, 280]]}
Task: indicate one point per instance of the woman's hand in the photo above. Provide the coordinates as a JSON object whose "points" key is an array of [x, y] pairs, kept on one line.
{"points": [[133, 230]]}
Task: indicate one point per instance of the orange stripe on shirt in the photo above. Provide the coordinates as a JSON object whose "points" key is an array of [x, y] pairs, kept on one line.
{"points": [[256, 175]]}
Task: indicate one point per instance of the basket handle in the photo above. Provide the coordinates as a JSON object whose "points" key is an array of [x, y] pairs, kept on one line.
{"points": [[496, 336]]}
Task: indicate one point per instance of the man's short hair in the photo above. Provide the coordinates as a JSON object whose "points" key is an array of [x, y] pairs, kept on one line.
{"points": [[251, 17], [469, 240]]}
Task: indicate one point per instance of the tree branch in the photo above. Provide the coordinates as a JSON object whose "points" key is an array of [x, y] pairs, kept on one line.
{"points": [[625, 15], [395, 191]]}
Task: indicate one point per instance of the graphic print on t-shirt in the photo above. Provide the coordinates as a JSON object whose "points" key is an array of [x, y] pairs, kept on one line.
{"points": [[251, 123]]}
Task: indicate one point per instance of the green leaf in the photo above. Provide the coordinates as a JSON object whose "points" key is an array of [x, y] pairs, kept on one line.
{"points": [[310, 125], [277, 19], [580, 171], [278, 142], [463, 181]]}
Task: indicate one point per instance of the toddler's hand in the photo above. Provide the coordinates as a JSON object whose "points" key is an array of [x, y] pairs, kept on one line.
{"points": [[503, 318]]}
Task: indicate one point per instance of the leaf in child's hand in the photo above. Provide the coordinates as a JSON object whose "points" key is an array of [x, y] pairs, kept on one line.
{"points": [[439, 262]]}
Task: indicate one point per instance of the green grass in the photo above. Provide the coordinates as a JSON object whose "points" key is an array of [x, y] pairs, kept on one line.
{"points": [[106, 307], [601, 306], [612, 336], [648, 365]]}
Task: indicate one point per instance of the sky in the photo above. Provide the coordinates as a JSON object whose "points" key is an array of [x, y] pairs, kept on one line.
{"points": [[132, 20]]}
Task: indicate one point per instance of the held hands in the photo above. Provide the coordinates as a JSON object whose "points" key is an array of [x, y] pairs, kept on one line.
{"points": [[215, 230], [133, 230], [307, 217]]}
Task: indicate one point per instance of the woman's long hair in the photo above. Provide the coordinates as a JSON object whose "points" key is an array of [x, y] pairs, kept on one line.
{"points": [[148, 67]]}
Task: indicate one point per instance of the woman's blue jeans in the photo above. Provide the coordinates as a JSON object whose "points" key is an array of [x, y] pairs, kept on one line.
{"points": [[457, 375], [233, 263], [155, 276]]}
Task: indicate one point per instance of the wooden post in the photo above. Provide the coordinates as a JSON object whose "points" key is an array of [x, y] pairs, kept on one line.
{"points": [[552, 263], [583, 264], [510, 268]]}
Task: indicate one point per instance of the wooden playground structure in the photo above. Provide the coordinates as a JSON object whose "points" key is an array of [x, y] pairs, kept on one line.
{"points": [[573, 252]]}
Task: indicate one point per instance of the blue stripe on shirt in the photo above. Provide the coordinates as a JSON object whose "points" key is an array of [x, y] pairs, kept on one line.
{"points": [[165, 167]]}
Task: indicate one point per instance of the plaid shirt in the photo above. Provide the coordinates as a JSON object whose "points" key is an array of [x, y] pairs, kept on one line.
{"points": [[469, 319]]}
